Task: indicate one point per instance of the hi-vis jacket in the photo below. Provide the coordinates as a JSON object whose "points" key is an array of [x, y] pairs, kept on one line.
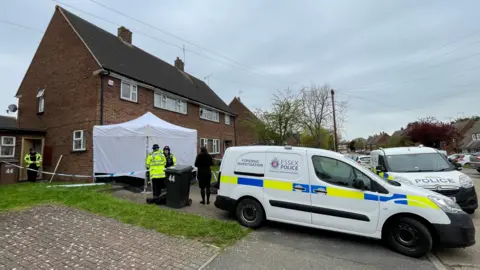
{"points": [[38, 160], [156, 162]]}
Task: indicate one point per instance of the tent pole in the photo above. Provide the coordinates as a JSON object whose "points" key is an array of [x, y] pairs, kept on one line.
{"points": [[146, 180]]}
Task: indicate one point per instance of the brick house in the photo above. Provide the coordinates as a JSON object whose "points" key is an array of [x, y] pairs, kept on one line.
{"points": [[245, 133], [378, 141], [82, 76], [14, 145], [471, 139]]}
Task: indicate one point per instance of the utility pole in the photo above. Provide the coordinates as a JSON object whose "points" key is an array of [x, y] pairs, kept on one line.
{"points": [[207, 78], [335, 143]]}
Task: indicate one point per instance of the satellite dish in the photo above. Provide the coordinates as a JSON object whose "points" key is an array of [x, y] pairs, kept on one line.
{"points": [[12, 108]]}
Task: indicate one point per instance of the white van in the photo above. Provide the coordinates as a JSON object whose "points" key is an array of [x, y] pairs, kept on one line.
{"points": [[427, 168], [324, 189]]}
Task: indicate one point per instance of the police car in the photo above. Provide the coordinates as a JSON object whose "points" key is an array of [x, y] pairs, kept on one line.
{"points": [[427, 168], [323, 189]]}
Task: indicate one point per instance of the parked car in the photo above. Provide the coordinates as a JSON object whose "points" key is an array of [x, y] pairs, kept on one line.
{"points": [[475, 161], [461, 159], [365, 161]]}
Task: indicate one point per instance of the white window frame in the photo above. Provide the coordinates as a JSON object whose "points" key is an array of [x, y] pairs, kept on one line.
{"points": [[82, 138], [227, 119], [133, 91], [210, 115], [215, 145], [12, 145], [181, 105], [41, 101]]}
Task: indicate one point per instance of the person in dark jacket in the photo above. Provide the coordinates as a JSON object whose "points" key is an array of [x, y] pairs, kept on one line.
{"points": [[204, 173]]}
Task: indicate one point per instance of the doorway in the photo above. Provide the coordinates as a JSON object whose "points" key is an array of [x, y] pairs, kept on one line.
{"points": [[27, 143], [226, 144]]}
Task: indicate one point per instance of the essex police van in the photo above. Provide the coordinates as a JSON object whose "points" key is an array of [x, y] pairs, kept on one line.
{"points": [[323, 189], [427, 168]]}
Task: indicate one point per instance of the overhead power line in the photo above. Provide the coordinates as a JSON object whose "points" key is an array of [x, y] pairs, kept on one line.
{"points": [[163, 41], [250, 68], [21, 26]]}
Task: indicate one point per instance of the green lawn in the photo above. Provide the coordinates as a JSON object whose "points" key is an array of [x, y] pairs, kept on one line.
{"points": [[170, 222]]}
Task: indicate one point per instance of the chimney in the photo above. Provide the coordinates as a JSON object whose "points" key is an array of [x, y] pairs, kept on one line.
{"points": [[179, 64], [125, 34]]}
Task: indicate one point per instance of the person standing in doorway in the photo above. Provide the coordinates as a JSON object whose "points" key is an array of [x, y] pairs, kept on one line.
{"points": [[203, 162], [156, 162], [171, 159], [33, 161]]}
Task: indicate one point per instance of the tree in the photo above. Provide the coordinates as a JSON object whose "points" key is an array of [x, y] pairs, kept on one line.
{"points": [[317, 112], [360, 143], [430, 132], [281, 121], [351, 146], [306, 139]]}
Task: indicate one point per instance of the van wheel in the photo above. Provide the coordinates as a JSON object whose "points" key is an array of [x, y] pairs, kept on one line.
{"points": [[409, 237], [250, 213]]}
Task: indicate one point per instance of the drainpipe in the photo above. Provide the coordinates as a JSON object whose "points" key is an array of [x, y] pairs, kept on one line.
{"points": [[101, 73], [234, 131]]}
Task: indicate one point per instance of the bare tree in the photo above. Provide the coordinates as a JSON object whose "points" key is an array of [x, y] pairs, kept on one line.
{"points": [[317, 111], [281, 121]]}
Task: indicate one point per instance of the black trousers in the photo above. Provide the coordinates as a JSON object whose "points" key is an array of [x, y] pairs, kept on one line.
{"points": [[157, 185], [31, 175]]}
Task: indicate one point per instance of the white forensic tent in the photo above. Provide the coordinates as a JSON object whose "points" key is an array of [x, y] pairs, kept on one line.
{"points": [[123, 148]]}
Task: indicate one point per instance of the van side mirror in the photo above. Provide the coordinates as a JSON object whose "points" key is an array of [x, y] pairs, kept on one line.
{"points": [[380, 168], [359, 184]]}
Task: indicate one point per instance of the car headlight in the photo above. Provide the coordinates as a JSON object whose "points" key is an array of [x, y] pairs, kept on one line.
{"points": [[402, 180], [445, 204], [465, 181]]}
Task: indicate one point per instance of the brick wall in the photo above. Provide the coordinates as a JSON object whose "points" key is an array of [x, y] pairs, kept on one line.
{"points": [[117, 110], [63, 66], [245, 132]]}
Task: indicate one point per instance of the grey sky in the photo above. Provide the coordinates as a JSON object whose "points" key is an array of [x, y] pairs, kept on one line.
{"points": [[394, 61]]}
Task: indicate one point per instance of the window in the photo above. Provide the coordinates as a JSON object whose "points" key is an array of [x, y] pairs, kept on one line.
{"points": [[128, 91], [227, 119], [427, 162], [171, 104], [79, 140], [475, 136], [213, 145], [339, 173], [209, 114], [7, 146], [41, 100]]}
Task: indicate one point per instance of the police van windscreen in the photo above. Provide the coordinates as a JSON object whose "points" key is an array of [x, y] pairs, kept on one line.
{"points": [[426, 162], [365, 159]]}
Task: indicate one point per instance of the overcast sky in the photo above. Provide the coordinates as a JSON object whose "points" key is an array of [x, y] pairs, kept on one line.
{"points": [[394, 61]]}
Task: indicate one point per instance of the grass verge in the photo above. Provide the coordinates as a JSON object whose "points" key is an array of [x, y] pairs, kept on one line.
{"points": [[165, 221]]}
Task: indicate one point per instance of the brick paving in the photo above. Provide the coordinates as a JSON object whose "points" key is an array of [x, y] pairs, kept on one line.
{"points": [[57, 237]]}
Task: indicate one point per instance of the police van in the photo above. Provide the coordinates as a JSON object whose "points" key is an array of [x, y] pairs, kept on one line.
{"points": [[427, 168], [323, 189]]}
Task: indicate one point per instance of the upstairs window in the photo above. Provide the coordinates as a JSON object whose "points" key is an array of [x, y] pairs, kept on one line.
{"points": [[7, 146], [165, 102], [41, 101], [475, 136], [79, 140], [128, 91], [209, 114], [227, 119]]}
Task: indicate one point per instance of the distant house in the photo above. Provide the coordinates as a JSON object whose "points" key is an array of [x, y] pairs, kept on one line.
{"points": [[471, 139], [463, 127], [244, 123], [400, 133], [376, 141]]}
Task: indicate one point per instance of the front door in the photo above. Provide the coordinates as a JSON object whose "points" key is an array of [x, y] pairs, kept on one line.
{"points": [[335, 202], [286, 187]]}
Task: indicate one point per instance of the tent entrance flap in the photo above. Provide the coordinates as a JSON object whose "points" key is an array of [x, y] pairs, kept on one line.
{"points": [[121, 148]]}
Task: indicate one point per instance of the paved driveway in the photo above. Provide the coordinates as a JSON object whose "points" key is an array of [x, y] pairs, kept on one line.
{"points": [[55, 237]]}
